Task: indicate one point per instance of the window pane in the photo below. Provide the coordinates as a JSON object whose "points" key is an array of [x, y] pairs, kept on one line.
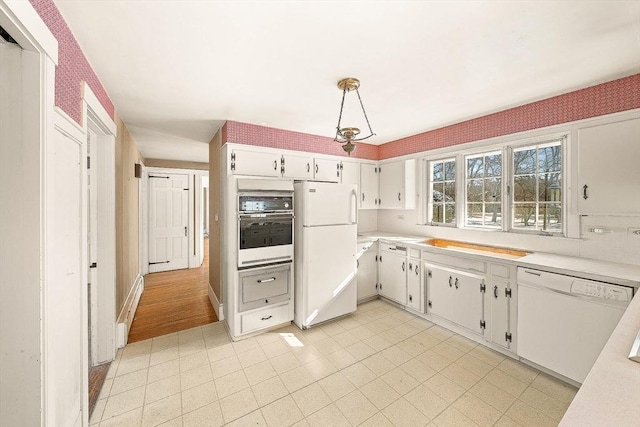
{"points": [[492, 190], [449, 192], [438, 191], [549, 187], [493, 214], [450, 213], [474, 167], [474, 190], [450, 171], [550, 159], [524, 216], [437, 171], [474, 214], [437, 213], [550, 217], [524, 162], [493, 165], [524, 188]]}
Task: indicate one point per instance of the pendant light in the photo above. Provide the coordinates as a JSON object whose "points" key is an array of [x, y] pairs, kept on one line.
{"points": [[348, 135]]}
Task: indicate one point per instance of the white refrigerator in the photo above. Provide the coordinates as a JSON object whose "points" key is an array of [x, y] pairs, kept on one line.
{"points": [[325, 240]]}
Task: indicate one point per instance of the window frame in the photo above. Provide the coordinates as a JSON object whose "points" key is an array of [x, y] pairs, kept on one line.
{"points": [[488, 151], [429, 190]]}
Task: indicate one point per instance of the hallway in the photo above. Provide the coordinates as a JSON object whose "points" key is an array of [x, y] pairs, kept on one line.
{"points": [[173, 301]]}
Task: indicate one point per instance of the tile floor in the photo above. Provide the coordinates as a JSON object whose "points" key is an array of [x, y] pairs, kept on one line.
{"points": [[381, 366]]}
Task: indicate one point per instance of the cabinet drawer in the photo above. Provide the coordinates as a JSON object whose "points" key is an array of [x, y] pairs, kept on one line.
{"points": [[454, 261], [392, 247], [499, 270], [264, 287], [264, 318]]}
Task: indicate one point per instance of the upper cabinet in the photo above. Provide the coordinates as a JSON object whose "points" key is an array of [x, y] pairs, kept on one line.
{"points": [[608, 168], [368, 186], [326, 170], [350, 173], [246, 162], [297, 167], [397, 182]]}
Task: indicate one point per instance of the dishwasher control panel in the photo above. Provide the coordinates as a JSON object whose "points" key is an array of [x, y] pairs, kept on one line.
{"points": [[601, 290]]}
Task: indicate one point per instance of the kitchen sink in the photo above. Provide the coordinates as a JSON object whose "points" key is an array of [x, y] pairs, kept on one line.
{"points": [[476, 248]]}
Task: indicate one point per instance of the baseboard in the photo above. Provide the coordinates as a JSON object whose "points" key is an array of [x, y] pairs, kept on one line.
{"points": [[128, 312], [217, 307]]}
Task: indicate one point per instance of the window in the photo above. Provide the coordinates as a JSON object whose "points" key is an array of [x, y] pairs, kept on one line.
{"points": [[484, 190], [442, 201], [537, 188]]}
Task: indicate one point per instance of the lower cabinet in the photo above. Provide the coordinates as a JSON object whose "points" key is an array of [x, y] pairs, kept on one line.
{"points": [[501, 306], [415, 295], [368, 273], [393, 273], [456, 296]]}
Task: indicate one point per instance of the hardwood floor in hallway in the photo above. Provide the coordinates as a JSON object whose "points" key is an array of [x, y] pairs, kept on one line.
{"points": [[173, 301]]}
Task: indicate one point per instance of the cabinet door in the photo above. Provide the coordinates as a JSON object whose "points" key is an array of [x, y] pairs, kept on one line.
{"points": [[350, 173], [609, 176], [368, 186], [415, 294], [391, 185], [456, 296], [368, 274], [326, 170], [393, 276], [297, 167], [244, 162], [499, 295]]}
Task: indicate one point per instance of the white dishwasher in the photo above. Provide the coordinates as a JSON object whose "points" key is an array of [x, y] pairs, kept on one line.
{"points": [[564, 321]]}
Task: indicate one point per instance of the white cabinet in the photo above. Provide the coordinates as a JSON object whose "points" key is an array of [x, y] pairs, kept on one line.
{"points": [[296, 167], [456, 296], [368, 186], [501, 306], [415, 288], [350, 173], [326, 170], [245, 162], [367, 271], [608, 171], [392, 282], [397, 185]]}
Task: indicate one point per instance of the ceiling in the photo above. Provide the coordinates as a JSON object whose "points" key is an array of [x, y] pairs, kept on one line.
{"points": [[176, 70]]}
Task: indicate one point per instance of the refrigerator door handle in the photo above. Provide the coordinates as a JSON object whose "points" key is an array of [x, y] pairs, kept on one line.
{"points": [[354, 206]]}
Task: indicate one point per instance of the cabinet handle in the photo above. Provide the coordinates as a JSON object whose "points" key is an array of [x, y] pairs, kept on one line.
{"points": [[308, 168], [316, 168], [456, 283], [399, 198], [275, 165], [363, 197], [584, 192], [403, 266], [357, 263], [417, 270], [185, 232], [410, 266], [495, 292], [450, 279], [267, 318], [270, 279], [410, 298]]}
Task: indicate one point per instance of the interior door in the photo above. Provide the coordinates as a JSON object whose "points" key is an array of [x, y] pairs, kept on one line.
{"points": [[92, 243], [168, 222]]}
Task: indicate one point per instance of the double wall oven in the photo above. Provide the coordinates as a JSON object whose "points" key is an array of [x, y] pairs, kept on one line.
{"points": [[265, 242]]}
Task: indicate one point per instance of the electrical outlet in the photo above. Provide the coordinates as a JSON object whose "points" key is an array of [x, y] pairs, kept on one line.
{"points": [[634, 231]]}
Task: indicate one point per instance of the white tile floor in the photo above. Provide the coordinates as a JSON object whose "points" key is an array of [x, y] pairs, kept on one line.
{"points": [[381, 366]]}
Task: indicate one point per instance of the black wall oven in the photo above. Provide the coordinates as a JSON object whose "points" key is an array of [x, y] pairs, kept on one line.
{"points": [[265, 228]]}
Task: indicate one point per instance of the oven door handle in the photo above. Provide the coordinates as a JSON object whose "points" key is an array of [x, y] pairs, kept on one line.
{"points": [[270, 279], [264, 216]]}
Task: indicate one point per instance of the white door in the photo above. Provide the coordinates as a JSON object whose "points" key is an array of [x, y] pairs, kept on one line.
{"points": [[499, 311], [255, 163], [368, 186], [368, 273], [297, 167], [168, 222], [415, 299], [92, 242], [326, 170], [391, 185], [393, 276]]}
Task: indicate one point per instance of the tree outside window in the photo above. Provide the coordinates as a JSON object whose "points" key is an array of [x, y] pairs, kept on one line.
{"points": [[537, 188], [484, 190], [443, 191]]}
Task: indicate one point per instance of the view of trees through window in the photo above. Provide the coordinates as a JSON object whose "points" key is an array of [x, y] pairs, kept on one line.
{"points": [[537, 188], [443, 191], [484, 190]]}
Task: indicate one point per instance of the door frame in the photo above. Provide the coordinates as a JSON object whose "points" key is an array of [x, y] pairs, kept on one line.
{"points": [[103, 320], [27, 353]]}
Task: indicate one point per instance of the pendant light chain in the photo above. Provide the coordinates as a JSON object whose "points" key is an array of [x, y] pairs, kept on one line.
{"points": [[363, 111], [338, 133]]}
